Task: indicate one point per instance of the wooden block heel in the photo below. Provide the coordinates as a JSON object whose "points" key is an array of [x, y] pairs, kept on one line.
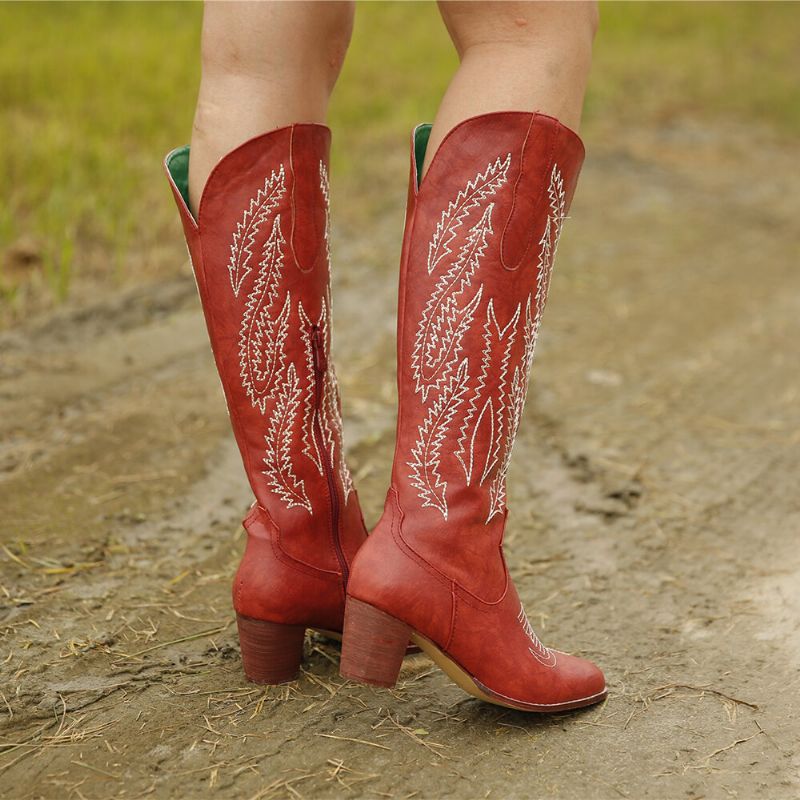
{"points": [[271, 652], [373, 645]]}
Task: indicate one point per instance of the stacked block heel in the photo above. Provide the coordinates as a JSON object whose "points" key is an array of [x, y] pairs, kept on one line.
{"points": [[374, 645], [271, 652]]}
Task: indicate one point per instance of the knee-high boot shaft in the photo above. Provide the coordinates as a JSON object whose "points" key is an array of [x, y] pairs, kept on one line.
{"points": [[481, 236], [260, 254], [482, 229]]}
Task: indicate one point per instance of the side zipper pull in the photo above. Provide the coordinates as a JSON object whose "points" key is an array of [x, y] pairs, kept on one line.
{"points": [[318, 349]]}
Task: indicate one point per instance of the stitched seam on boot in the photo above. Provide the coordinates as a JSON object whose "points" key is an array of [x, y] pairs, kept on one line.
{"points": [[531, 235], [316, 258], [302, 566], [282, 556], [468, 597]]}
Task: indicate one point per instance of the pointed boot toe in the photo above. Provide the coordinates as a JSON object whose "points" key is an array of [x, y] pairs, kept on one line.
{"points": [[482, 230]]}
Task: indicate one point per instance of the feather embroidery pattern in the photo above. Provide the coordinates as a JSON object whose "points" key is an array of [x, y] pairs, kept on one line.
{"points": [[515, 406], [481, 186], [262, 336], [498, 344], [512, 414], [443, 324], [332, 423], [548, 244], [325, 188], [528, 337], [278, 460], [445, 320], [330, 417], [544, 655], [253, 217], [426, 453], [310, 447]]}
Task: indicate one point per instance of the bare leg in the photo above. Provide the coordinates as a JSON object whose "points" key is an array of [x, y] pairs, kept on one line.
{"points": [[516, 56], [265, 65]]}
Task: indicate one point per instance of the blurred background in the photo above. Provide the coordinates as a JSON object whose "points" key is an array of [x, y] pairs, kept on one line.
{"points": [[654, 514], [93, 94]]}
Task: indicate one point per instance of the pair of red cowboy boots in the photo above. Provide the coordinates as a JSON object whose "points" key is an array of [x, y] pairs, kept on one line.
{"points": [[481, 235]]}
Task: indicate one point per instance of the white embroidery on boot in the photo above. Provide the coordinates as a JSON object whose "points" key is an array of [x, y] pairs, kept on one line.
{"points": [[481, 186], [325, 188], [330, 416], [521, 379], [262, 349], [333, 424], [529, 333], [548, 244], [278, 459], [486, 417], [544, 655], [426, 453], [330, 407], [492, 421], [494, 338], [333, 402], [262, 337], [443, 323], [266, 199]]}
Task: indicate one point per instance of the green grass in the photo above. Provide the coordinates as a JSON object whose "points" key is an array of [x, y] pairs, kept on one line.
{"points": [[93, 94], [658, 61]]}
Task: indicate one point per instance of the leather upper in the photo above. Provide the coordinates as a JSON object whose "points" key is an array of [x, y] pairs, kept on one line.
{"points": [[481, 235], [260, 254]]}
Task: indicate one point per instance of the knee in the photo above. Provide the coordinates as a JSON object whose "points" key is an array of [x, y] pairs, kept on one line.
{"points": [[569, 27]]}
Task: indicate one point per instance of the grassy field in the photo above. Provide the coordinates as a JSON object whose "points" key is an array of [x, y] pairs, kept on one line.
{"points": [[94, 94]]}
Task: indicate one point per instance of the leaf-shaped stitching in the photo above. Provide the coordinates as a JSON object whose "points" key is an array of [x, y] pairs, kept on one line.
{"points": [[278, 458], [262, 337], [259, 208], [443, 323], [482, 185], [426, 453]]}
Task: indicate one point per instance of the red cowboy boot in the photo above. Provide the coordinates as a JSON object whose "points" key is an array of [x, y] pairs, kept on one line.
{"points": [[480, 239], [259, 250]]}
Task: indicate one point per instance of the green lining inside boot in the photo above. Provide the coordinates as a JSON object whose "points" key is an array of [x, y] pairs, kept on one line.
{"points": [[178, 161], [178, 166], [421, 135]]}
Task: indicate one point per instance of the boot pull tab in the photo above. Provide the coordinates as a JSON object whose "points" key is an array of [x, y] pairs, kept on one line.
{"points": [[318, 350]]}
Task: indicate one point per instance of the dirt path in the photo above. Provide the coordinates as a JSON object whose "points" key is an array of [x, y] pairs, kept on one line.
{"points": [[654, 526]]}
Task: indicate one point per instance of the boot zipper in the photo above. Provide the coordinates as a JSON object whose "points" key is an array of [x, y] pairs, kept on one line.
{"points": [[320, 371]]}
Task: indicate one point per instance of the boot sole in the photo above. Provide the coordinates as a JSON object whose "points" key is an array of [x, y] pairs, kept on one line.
{"points": [[371, 655], [473, 686]]}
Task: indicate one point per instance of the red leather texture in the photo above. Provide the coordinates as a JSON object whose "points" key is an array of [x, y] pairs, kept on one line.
{"points": [[480, 239], [260, 254]]}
